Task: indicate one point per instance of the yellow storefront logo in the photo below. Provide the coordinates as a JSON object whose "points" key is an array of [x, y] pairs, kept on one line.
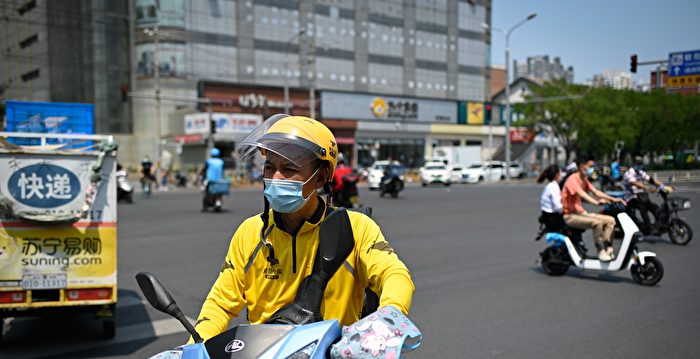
{"points": [[378, 107]]}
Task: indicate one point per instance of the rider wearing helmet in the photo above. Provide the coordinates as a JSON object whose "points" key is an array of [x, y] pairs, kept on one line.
{"points": [[214, 167], [271, 253]]}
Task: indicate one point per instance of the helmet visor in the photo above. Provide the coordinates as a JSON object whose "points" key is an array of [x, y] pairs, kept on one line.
{"points": [[291, 147]]}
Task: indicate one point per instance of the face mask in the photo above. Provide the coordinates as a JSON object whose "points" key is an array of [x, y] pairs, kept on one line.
{"points": [[286, 196], [638, 167], [589, 171]]}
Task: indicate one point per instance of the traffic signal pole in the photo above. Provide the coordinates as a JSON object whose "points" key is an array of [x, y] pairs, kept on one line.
{"points": [[202, 100], [659, 63]]}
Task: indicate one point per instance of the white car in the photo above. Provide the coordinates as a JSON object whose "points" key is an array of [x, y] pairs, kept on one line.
{"points": [[517, 170], [435, 172], [456, 174], [375, 174], [481, 171]]}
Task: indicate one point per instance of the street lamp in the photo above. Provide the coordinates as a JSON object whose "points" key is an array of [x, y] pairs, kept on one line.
{"points": [[507, 111], [302, 31]]}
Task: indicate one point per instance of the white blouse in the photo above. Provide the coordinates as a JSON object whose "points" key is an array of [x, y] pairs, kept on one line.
{"points": [[550, 201]]}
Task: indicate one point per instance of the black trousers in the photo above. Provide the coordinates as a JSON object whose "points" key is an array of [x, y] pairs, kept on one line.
{"points": [[644, 207]]}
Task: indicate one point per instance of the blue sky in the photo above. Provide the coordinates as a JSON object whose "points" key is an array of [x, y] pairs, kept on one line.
{"points": [[597, 35]]}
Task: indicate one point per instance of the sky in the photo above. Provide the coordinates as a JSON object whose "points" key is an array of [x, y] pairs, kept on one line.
{"points": [[596, 35]]}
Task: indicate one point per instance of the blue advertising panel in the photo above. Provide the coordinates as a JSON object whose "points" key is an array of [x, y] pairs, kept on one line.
{"points": [[49, 117]]}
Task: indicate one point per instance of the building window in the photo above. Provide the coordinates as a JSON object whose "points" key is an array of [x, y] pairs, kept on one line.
{"points": [[26, 7], [31, 75], [28, 41]]}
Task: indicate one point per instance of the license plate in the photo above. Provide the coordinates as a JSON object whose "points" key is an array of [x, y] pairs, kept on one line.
{"points": [[353, 199], [43, 281]]}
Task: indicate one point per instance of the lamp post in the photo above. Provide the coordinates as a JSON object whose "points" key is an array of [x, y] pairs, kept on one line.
{"points": [[507, 111], [156, 34], [286, 75]]}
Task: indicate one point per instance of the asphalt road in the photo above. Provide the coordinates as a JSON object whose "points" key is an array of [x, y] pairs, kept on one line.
{"points": [[470, 248]]}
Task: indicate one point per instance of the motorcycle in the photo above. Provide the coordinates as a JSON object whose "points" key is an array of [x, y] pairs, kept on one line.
{"points": [[348, 196], [565, 251], [297, 330], [665, 215], [125, 190], [181, 179], [391, 184], [213, 194]]}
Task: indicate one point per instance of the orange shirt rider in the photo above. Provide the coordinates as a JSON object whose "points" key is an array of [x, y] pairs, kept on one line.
{"points": [[570, 199]]}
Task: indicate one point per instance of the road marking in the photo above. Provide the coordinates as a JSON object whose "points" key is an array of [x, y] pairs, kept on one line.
{"points": [[125, 334]]}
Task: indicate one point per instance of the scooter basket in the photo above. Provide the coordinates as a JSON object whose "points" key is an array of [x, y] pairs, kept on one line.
{"points": [[219, 187], [679, 203]]}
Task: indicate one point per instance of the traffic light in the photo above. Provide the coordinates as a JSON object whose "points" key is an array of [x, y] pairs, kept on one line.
{"points": [[487, 115], [633, 64], [124, 89], [212, 126]]}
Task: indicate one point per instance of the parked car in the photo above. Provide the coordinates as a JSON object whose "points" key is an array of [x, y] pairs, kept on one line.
{"points": [[456, 174], [435, 172], [517, 170], [376, 172], [484, 171]]}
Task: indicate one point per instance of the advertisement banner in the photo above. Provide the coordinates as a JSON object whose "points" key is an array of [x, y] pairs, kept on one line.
{"points": [[172, 59], [48, 117], [56, 184], [338, 105], [475, 113], [169, 13], [226, 123], [46, 258]]}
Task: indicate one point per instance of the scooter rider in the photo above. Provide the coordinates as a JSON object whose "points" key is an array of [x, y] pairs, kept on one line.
{"points": [[213, 171], [340, 171], [271, 253], [214, 167], [550, 200], [635, 193], [578, 187]]}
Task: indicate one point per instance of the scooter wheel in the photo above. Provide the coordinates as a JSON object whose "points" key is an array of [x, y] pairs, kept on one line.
{"points": [[648, 274], [680, 232], [552, 262]]}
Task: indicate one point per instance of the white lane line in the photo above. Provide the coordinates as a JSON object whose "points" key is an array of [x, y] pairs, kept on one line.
{"points": [[125, 334], [128, 301]]}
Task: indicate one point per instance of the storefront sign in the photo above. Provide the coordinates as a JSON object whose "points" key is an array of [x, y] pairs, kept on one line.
{"points": [[256, 100], [338, 105], [521, 135], [230, 123], [475, 113], [193, 138]]}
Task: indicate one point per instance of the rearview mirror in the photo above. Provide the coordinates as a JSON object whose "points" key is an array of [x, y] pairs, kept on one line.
{"points": [[154, 292]]}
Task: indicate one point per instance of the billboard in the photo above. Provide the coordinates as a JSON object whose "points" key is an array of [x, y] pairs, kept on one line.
{"points": [[172, 59], [48, 117], [229, 123], [149, 13], [338, 105]]}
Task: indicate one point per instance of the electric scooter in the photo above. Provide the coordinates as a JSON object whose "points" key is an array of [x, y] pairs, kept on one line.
{"points": [[645, 267], [665, 215]]}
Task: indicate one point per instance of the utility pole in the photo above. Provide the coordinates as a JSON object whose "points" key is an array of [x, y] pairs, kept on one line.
{"points": [[156, 33], [312, 72], [198, 100]]}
